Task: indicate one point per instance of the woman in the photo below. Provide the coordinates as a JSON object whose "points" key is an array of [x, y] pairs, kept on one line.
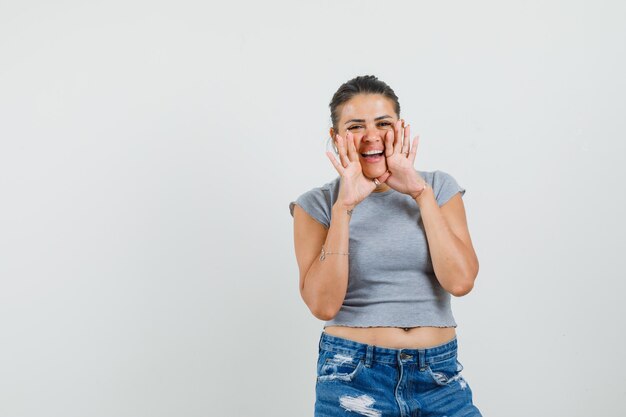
{"points": [[380, 250]]}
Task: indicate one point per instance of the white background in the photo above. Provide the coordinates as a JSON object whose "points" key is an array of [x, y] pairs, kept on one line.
{"points": [[149, 151]]}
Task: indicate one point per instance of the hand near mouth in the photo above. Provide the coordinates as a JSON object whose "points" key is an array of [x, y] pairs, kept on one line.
{"points": [[355, 187], [400, 157]]}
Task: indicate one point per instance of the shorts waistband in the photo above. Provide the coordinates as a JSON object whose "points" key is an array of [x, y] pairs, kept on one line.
{"points": [[373, 353]]}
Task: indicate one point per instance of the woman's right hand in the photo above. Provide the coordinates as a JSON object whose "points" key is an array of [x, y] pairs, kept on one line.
{"points": [[354, 185]]}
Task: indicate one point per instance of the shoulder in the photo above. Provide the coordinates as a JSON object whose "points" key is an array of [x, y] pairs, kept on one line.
{"points": [[318, 201], [444, 185], [328, 189]]}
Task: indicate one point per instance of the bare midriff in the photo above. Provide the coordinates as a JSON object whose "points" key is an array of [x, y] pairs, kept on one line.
{"points": [[395, 337]]}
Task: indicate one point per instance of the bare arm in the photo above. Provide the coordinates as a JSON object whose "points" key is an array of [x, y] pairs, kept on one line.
{"points": [[323, 284], [454, 260], [451, 250]]}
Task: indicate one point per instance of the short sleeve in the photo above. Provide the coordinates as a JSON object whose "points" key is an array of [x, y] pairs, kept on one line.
{"points": [[445, 187], [317, 203]]}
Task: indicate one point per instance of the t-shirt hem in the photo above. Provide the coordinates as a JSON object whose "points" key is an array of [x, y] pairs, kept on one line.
{"points": [[307, 211], [390, 325], [444, 200]]}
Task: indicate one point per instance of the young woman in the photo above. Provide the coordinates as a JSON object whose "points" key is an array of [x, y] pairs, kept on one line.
{"points": [[380, 250]]}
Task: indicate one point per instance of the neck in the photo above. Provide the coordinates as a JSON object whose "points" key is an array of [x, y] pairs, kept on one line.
{"points": [[381, 188]]}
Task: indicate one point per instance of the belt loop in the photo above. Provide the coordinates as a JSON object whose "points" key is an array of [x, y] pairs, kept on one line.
{"points": [[369, 355], [421, 359]]}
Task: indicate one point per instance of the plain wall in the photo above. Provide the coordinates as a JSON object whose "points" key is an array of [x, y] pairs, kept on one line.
{"points": [[149, 151]]}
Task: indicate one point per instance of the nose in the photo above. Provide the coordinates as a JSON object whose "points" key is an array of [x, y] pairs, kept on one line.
{"points": [[372, 135]]}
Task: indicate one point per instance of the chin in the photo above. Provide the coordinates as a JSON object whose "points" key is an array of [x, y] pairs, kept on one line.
{"points": [[375, 173]]}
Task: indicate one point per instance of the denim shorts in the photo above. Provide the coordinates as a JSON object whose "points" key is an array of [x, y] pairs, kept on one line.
{"points": [[356, 379]]}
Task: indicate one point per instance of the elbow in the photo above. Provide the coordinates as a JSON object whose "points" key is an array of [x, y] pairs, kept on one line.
{"points": [[323, 316], [458, 279], [323, 313], [465, 285], [462, 289], [322, 306], [322, 310]]}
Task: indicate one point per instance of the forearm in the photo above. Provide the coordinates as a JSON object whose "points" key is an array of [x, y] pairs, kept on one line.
{"points": [[454, 263], [326, 281]]}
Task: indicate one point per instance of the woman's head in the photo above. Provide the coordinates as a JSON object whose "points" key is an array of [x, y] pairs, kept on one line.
{"points": [[363, 84], [368, 108]]}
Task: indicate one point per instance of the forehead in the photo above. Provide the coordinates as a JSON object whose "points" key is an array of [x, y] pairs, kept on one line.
{"points": [[367, 106]]}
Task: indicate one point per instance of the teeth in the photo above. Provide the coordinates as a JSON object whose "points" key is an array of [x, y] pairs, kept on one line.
{"points": [[372, 152]]}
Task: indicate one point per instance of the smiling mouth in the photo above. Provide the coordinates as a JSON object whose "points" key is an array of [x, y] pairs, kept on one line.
{"points": [[372, 156]]}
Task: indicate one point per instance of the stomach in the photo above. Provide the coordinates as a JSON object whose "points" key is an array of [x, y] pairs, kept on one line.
{"points": [[395, 337]]}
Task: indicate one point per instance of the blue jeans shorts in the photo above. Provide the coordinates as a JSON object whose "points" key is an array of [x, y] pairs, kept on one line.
{"points": [[356, 379]]}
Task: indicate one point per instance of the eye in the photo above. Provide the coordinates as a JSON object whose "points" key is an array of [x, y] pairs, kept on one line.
{"points": [[353, 127], [384, 124]]}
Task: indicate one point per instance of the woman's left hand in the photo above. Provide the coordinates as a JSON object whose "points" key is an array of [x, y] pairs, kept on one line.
{"points": [[400, 157]]}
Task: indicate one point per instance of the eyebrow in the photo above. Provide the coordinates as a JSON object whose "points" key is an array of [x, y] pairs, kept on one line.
{"points": [[363, 120]]}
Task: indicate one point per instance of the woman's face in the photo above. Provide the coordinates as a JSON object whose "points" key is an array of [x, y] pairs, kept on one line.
{"points": [[368, 117]]}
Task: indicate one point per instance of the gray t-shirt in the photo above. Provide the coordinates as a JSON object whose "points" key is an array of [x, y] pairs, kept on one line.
{"points": [[391, 280]]}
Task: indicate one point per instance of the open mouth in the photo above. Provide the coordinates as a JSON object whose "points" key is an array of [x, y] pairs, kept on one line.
{"points": [[373, 156]]}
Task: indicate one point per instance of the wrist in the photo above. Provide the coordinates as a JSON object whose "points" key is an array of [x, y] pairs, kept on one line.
{"points": [[420, 196], [342, 209], [420, 189]]}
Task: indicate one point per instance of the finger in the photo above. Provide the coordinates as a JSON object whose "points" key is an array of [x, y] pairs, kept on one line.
{"points": [[413, 151], [406, 142], [397, 140], [335, 163], [389, 143], [341, 147], [352, 153]]}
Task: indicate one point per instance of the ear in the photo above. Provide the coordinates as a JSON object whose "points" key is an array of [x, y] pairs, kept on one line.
{"points": [[331, 132]]}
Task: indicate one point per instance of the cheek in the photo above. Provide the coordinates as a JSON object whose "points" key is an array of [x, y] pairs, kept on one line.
{"points": [[357, 139]]}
